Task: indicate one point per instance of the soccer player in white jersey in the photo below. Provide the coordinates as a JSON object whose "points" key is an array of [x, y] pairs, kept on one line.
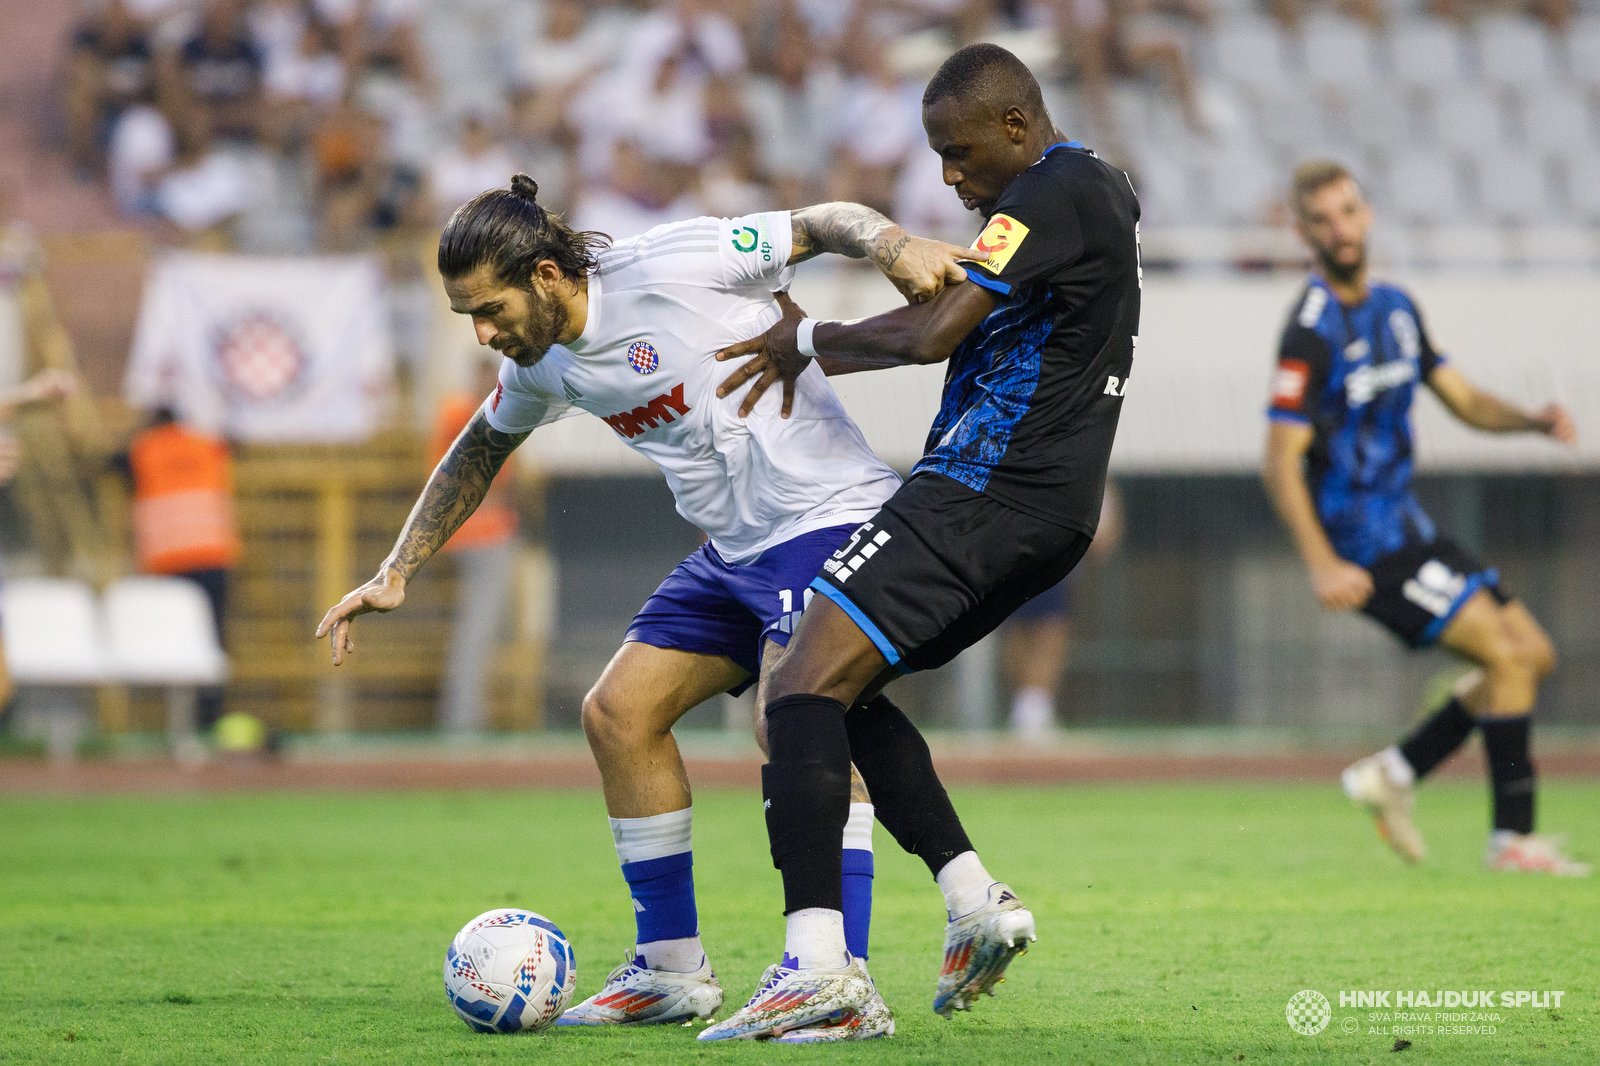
{"points": [[629, 333]]}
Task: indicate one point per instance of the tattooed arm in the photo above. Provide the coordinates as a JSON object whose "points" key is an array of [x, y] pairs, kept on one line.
{"points": [[452, 493], [919, 268]]}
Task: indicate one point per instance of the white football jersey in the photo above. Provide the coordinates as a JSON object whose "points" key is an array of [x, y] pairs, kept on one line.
{"points": [[660, 306]]}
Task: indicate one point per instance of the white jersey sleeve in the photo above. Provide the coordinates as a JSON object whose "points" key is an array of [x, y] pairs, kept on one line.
{"points": [[755, 251], [521, 402]]}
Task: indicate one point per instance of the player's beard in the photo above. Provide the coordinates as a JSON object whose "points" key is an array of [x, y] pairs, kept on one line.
{"points": [[547, 320], [1338, 272]]}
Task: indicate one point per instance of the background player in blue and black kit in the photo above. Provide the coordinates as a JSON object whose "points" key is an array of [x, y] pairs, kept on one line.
{"points": [[1338, 468], [1002, 505]]}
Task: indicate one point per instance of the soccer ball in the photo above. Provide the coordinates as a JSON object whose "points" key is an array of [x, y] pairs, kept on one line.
{"points": [[509, 970]]}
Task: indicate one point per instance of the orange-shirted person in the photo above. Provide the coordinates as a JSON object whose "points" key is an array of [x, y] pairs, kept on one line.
{"points": [[183, 517], [485, 553]]}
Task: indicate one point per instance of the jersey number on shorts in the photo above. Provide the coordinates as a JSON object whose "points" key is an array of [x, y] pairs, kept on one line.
{"points": [[791, 617], [1435, 587]]}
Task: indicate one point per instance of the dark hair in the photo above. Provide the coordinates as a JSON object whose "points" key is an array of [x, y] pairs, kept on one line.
{"points": [[1312, 175], [507, 230], [987, 73]]}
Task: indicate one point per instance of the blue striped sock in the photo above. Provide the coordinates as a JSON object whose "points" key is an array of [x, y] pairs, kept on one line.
{"points": [[658, 863], [857, 880]]}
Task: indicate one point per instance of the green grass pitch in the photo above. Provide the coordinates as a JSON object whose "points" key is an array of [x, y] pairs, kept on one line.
{"points": [[1175, 922]]}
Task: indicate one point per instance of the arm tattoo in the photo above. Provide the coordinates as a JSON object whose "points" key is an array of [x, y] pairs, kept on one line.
{"points": [[845, 229], [457, 486]]}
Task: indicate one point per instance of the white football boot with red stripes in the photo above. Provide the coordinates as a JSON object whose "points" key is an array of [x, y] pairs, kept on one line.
{"points": [[979, 946], [1531, 853], [637, 995], [791, 998]]}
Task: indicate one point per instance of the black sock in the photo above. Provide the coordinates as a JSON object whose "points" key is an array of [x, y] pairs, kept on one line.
{"points": [[1511, 776], [807, 792], [1432, 742], [907, 797]]}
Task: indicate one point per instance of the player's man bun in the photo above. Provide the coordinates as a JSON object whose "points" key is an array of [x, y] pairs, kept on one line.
{"points": [[525, 187], [989, 74], [508, 230]]}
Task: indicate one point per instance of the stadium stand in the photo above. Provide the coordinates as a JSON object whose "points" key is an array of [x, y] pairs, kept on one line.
{"points": [[632, 113]]}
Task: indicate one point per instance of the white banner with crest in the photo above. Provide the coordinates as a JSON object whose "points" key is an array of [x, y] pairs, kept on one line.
{"points": [[259, 349]]}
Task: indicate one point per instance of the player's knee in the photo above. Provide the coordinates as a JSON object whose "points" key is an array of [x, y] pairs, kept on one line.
{"points": [[761, 733], [1502, 658], [607, 723], [1539, 654], [1525, 649]]}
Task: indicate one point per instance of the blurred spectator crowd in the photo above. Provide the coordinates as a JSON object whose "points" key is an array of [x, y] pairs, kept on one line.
{"points": [[300, 125]]}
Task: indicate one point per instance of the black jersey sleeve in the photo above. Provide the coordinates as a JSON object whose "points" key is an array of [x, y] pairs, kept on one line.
{"points": [[1304, 360], [1429, 356], [1033, 233]]}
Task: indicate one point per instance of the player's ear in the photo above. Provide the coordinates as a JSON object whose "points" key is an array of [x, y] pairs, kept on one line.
{"points": [[547, 272], [1016, 125]]}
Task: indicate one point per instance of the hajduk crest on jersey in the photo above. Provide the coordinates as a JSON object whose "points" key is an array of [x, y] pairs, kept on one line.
{"points": [[642, 357]]}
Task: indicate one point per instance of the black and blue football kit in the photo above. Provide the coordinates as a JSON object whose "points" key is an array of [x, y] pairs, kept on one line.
{"points": [[1350, 372], [1007, 495]]}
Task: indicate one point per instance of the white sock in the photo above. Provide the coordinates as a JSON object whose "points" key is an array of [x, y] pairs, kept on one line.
{"points": [[858, 830], [1394, 764], [677, 956], [1033, 711], [815, 938], [638, 839], [965, 884]]}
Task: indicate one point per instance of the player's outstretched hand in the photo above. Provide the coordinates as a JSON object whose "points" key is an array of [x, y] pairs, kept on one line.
{"points": [[920, 267], [383, 593], [776, 357], [1341, 585], [45, 385], [1556, 422]]}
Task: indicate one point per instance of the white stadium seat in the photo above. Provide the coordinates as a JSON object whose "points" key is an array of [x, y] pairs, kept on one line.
{"points": [[1424, 187], [1582, 173], [1557, 120], [1426, 54], [1583, 51], [1294, 121], [1469, 119], [1339, 52], [1465, 246], [52, 633], [1512, 187], [160, 632], [1165, 190], [1514, 52], [1377, 116], [1243, 187], [1252, 52], [1557, 246]]}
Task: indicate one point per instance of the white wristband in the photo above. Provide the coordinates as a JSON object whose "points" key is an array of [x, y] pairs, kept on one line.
{"points": [[802, 337]]}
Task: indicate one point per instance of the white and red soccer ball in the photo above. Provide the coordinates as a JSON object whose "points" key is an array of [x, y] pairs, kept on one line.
{"points": [[510, 970]]}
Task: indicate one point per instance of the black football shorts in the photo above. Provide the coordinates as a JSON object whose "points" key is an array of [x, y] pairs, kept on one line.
{"points": [[1417, 590], [940, 566]]}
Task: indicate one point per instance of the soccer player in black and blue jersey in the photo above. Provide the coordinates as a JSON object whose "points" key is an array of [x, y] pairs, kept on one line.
{"points": [[1005, 500], [1338, 467]]}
